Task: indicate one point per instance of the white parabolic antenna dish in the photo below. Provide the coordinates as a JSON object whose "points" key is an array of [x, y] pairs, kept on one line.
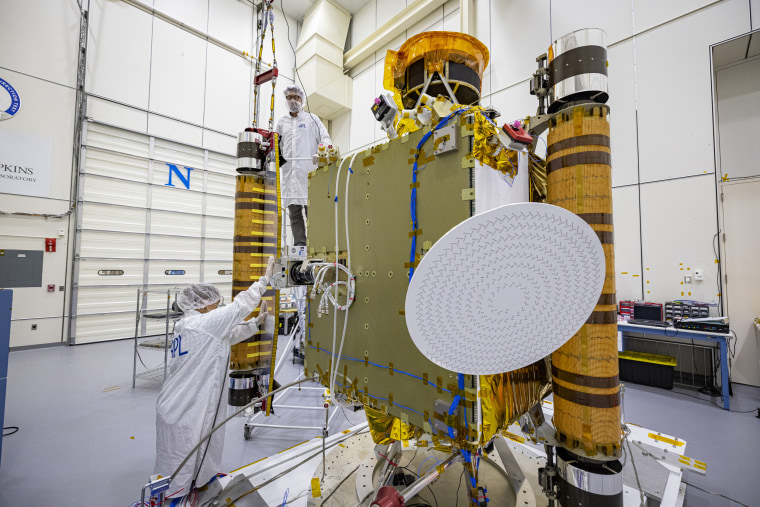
{"points": [[505, 288]]}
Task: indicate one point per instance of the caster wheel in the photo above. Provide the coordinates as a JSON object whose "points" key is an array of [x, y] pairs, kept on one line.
{"points": [[247, 432]]}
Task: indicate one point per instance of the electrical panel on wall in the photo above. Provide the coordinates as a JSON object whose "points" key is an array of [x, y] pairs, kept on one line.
{"points": [[20, 268]]}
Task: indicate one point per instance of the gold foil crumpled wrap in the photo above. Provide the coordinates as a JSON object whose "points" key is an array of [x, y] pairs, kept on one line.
{"points": [[507, 396], [437, 48], [487, 149], [386, 428]]}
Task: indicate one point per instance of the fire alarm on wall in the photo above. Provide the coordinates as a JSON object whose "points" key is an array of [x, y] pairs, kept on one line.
{"points": [[50, 244], [51, 287]]}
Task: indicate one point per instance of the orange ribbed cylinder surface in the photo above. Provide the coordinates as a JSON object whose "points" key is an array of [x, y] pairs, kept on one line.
{"points": [[585, 369]]}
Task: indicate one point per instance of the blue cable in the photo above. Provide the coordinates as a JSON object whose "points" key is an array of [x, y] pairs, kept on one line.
{"points": [[413, 200]]}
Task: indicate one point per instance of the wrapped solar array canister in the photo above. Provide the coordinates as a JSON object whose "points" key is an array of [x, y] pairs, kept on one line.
{"points": [[257, 237], [460, 58], [585, 369], [577, 69]]}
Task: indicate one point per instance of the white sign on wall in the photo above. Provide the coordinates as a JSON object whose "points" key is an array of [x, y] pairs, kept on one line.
{"points": [[25, 164]]}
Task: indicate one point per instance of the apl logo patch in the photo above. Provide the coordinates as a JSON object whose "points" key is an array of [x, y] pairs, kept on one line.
{"points": [[15, 105]]}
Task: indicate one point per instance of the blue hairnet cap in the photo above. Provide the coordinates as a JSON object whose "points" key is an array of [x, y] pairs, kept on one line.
{"points": [[198, 295]]}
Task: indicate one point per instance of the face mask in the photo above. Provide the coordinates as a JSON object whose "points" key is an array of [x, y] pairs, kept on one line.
{"points": [[294, 106]]}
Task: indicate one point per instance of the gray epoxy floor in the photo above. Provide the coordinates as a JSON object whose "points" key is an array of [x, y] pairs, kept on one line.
{"points": [[87, 438]]}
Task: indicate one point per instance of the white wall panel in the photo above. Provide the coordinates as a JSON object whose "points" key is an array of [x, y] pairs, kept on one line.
{"points": [[175, 224], [678, 224], [106, 299], [220, 206], [219, 250], [46, 113], [177, 199], [628, 276], [755, 11], [221, 163], [116, 165], [519, 33], [221, 184], [211, 272], [514, 103], [285, 35], [231, 21], [119, 52], [364, 107], [115, 139], [649, 13], [116, 114], [32, 303], [193, 13], [362, 121], [385, 10], [341, 131], [366, 64], [451, 21], [431, 22], [450, 6], [49, 50], [157, 273], [682, 142], [108, 191], [177, 73], [96, 328], [48, 331], [221, 228], [102, 217], [227, 91], [168, 128], [623, 140], [219, 142], [738, 95], [741, 208], [163, 247], [614, 17], [112, 245], [364, 22], [481, 11], [89, 277], [174, 153]]}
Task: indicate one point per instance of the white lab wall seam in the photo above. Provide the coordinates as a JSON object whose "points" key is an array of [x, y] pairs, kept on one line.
{"points": [[143, 110], [205, 97], [203, 216], [74, 281], [638, 146], [146, 235], [723, 294]]}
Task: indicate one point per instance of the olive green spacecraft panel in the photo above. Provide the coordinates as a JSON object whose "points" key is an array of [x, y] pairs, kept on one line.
{"points": [[379, 225]]}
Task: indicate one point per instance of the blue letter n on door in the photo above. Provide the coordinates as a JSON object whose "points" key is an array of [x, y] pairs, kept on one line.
{"points": [[185, 179]]}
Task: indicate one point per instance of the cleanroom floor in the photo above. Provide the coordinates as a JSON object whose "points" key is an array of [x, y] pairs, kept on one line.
{"points": [[87, 438]]}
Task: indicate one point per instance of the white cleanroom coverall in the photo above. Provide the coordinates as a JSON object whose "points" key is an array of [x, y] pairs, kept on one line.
{"points": [[299, 137], [193, 399]]}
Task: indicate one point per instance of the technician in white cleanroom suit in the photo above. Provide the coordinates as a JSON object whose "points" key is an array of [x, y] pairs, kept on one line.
{"points": [[193, 399], [300, 135]]}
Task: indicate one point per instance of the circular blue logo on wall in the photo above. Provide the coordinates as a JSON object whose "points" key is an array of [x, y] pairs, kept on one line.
{"points": [[11, 111]]}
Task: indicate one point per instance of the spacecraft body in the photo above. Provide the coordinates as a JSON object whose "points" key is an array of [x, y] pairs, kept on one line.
{"points": [[433, 171], [379, 212]]}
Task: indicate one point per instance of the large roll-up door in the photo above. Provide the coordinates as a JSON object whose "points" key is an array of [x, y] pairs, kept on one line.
{"points": [[153, 214]]}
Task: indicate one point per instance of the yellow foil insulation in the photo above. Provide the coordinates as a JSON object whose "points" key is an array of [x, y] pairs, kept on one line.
{"points": [[437, 48], [257, 219], [585, 369]]}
